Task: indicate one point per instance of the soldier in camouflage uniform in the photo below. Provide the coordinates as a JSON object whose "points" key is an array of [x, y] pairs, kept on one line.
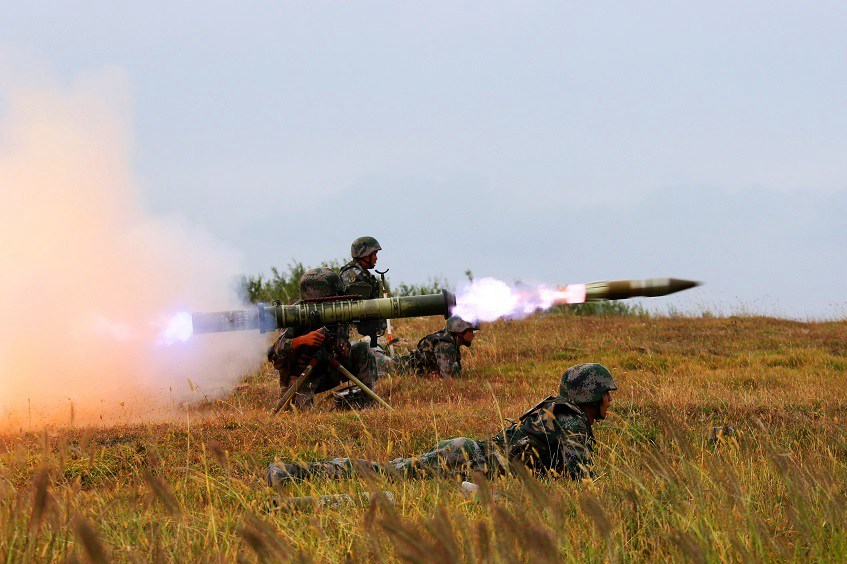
{"points": [[440, 353], [295, 348], [553, 438], [357, 271]]}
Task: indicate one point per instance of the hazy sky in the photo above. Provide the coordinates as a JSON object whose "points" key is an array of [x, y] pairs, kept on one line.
{"points": [[551, 142]]}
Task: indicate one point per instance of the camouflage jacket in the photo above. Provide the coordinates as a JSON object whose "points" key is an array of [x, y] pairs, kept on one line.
{"points": [[290, 363], [355, 272], [439, 352], [553, 437]]}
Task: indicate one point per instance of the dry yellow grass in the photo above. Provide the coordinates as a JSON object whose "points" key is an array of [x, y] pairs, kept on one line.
{"points": [[195, 489]]}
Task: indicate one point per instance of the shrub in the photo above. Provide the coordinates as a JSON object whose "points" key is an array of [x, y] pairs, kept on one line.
{"points": [[433, 285], [281, 285], [604, 308]]}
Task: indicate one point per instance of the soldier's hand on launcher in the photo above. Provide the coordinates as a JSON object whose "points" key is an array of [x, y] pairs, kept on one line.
{"points": [[312, 339]]}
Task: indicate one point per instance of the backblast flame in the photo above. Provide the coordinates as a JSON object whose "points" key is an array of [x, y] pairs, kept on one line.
{"points": [[178, 328]]}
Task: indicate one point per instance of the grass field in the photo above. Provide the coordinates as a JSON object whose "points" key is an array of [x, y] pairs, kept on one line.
{"points": [[194, 489]]}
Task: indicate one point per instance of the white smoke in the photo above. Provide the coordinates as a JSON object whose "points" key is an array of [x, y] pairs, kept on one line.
{"points": [[89, 280]]}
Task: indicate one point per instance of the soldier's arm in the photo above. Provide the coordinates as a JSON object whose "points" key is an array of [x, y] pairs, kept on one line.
{"points": [[311, 339], [287, 343], [283, 347], [446, 359]]}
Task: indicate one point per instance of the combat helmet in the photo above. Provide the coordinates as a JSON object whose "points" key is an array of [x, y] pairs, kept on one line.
{"points": [[586, 383], [363, 246], [458, 325], [320, 283]]}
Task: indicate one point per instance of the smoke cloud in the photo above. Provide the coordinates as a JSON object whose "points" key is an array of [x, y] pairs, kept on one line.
{"points": [[90, 281]]}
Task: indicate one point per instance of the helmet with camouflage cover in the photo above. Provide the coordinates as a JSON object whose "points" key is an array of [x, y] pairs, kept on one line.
{"points": [[363, 246], [320, 283], [586, 383], [458, 325]]}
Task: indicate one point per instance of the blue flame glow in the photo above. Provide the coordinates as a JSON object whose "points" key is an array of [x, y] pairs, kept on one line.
{"points": [[177, 329]]}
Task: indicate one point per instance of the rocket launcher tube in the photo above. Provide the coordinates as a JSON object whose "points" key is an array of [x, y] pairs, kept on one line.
{"points": [[317, 314]]}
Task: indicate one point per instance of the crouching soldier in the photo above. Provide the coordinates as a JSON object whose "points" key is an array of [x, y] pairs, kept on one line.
{"points": [[295, 349], [440, 353], [554, 438]]}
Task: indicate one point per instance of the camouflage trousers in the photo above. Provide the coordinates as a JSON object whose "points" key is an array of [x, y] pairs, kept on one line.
{"points": [[361, 362], [414, 362], [457, 456]]}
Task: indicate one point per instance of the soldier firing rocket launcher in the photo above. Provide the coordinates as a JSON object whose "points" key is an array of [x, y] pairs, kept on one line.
{"points": [[475, 304], [317, 313]]}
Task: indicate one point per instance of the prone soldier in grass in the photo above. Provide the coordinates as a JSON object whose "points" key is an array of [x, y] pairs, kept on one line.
{"points": [[553, 438], [295, 349], [364, 253], [440, 353]]}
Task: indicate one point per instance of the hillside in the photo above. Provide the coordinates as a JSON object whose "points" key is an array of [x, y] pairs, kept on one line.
{"points": [[194, 488]]}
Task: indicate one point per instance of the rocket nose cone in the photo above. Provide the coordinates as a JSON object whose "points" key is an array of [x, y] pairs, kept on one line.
{"points": [[678, 284]]}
